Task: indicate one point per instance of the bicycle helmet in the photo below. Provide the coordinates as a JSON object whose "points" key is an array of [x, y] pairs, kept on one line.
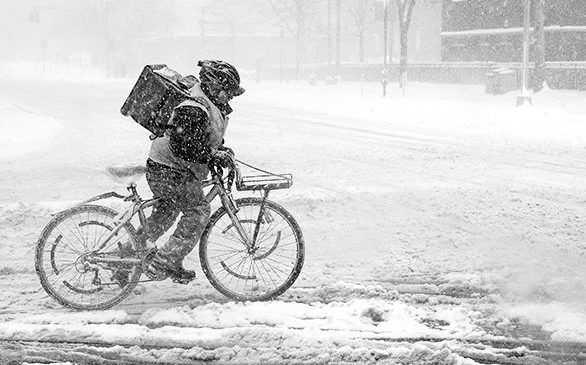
{"points": [[221, 73]]}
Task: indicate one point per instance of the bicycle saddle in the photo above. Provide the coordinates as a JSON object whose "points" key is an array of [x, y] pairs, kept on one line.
{"points": [[126, 174]]}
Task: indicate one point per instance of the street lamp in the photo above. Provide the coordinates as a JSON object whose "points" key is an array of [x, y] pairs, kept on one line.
{"points": [[525, 95], [385, 71]]}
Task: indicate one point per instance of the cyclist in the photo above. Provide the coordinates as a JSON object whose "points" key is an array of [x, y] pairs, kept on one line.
{"points": [[178, 163]]}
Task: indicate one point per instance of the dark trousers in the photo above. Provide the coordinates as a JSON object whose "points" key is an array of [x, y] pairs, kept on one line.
{"points": [[178, 192]]}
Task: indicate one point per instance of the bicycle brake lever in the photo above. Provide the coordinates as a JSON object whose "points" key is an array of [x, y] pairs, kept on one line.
{"points": [[230, 181]]}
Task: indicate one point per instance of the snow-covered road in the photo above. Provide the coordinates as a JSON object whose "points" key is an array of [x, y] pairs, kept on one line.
{"points": [[447, 215]]}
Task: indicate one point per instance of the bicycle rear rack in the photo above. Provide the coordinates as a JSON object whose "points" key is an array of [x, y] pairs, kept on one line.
{"points": [[264, 182]]}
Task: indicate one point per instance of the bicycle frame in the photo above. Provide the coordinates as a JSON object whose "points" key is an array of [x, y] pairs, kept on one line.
{"points": [[139, 205]]}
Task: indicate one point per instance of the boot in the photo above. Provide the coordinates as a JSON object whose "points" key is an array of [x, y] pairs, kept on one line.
{"points": [[168, 260], [163, 266]]}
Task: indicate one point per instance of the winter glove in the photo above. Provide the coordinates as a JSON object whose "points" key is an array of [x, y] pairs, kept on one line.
{"points": [[227, 149], [224, 157]]}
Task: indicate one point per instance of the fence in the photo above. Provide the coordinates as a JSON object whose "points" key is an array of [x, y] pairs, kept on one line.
{"points": [[561, 75]]}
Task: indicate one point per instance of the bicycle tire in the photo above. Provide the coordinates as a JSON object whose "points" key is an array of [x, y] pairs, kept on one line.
{"points": [[212, 275], [53, 236]]}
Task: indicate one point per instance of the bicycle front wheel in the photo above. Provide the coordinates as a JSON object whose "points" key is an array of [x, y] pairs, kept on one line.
{"points": [[72, 272], [264, 272]]}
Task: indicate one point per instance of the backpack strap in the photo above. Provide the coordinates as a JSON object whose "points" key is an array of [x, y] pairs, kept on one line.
{"points": [[194, 102]]}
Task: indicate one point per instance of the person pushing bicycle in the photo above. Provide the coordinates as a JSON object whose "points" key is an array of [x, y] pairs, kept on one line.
{"points": [[91, 257], [178, 163]]}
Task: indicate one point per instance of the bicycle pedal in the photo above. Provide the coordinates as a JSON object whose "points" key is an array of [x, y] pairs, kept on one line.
{"points": [[182, 276], [183, 281], [121, 277]]}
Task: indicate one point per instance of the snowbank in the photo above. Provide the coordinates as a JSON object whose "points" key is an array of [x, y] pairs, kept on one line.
{"points": [[263, 332], [361, 318]]}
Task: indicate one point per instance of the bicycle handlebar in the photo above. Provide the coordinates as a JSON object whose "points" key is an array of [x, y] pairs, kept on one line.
{"points": [[217, 170]]}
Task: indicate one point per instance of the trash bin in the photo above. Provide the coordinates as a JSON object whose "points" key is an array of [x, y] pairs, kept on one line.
{"points": [[500, 81]]}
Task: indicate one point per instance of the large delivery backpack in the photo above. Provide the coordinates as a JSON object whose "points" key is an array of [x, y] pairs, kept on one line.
{"points": [[154, 97]]}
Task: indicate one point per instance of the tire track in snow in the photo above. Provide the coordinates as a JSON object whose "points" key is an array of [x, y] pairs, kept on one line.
{"points": [[403, 137], [481, 350], [576, 169]]}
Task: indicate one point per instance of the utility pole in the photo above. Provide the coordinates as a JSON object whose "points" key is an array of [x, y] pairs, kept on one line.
{"points": [[525, 95], [539, 71], [330, 35], [385, 72], [338, 40], [281, 38]]}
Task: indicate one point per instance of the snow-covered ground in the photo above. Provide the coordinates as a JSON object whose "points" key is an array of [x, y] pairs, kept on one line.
{"points": [[432, 222]]}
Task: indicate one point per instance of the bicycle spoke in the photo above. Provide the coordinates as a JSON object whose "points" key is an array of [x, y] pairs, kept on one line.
{"points": [[235, 269], [270, 277], [261, 277], [101, 230], [229, 265], [79, 231], [62, 275], [98, 241], [241, 263], [248, 273], [283, 256], [229, 236], [273, 275], [84, 231], [70, 244], [288, 244], [283, 237], [230, 257], [64, 246], [231, 253], [274, 267], [61, 270], [270, 258], [71, 235], [235, 237], [75, 286], [223, 245], [274, 224], [222, 268]]}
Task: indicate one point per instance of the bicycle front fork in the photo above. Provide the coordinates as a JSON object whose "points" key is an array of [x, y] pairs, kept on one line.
{"points": [[232, 209], [259, 218]]}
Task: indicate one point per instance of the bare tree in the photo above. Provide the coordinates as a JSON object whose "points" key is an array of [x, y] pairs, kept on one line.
{"points": [[539, 72], [106, 28], [295, 18], [405, 12], [359, 11]]}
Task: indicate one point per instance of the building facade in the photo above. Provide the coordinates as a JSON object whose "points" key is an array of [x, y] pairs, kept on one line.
{"points": [[492, 30]]}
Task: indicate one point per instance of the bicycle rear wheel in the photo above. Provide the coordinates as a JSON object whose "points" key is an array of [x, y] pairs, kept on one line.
{"points": [[266, 272], [71, 273]]}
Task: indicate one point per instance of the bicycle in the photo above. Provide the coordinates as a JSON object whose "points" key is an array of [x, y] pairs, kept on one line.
{"points": [[251, 248]]}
